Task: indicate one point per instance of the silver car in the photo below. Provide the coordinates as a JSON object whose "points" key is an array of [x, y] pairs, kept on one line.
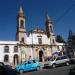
{"points": [[57, 61]]}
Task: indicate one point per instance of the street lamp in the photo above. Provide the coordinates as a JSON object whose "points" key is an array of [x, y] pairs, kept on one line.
{"points": [[51, 46], [21, 55], [32, 43]]}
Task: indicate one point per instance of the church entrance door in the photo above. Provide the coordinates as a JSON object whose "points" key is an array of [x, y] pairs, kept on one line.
{"points": [[41, 56]]}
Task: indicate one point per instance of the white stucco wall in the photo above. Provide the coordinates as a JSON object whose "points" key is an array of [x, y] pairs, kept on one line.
{"points": [[11, 52], [22, 35], [60, 45], [34, 38]]}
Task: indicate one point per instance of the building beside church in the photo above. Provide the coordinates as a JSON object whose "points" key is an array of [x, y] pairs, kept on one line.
{"points": [[35, 44]]}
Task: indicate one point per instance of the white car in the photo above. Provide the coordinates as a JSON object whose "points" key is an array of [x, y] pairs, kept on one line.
{"points": [[57, 61]]}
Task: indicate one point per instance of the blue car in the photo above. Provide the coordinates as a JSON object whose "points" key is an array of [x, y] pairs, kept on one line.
{"points": [[28, 66]]}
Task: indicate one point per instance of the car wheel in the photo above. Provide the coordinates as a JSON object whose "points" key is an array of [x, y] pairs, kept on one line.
{"points": [[54, 65], [21, 71], [67, 63], [38, 68]]}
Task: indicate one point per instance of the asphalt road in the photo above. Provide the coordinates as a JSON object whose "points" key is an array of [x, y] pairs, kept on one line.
{"points": [[64, 70]]}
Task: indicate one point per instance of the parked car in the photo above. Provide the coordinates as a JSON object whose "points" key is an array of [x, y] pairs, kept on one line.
{"points": [[57, 61], [1, 68], [28, 66], [6, 70]]}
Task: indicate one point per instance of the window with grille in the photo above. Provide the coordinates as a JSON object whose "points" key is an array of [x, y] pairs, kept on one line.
{"points": [[6, 49], [15, 49], [6, 58]]}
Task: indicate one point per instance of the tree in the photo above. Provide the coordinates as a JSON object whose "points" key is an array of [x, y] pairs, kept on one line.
{"points": [[60, 39], [71, 44]]}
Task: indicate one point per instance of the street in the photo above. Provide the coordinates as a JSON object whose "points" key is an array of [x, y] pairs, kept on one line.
{"points": [[63, 70]]}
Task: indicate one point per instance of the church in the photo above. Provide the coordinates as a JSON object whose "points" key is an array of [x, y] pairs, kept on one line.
{"points": [[35, 44]]}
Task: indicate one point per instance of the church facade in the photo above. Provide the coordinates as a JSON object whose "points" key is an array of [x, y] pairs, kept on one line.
{"points": [[35, 44]]}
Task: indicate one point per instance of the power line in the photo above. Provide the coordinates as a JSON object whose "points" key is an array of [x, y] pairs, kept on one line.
{"points": [[73, 5]]}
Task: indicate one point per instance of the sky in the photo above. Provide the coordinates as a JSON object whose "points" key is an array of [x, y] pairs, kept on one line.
{"points": [[62, 13]]}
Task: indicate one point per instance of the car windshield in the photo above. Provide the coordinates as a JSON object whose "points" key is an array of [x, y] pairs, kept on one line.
{"points": [[55, 58], [34, 61], [30, 61], [52, 59], [24, 62], [63, 57], [58, 58]]}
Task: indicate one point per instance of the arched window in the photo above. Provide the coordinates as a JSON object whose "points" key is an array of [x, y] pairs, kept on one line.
{"points": [[22, 39], [22, 24], [6, 58], [63, 48], [6, 49], [53, 41], [51, 29], [15, 49], [40, 40], [58, 48], [16, 59]]}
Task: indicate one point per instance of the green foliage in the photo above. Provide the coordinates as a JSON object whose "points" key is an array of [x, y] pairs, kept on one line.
{"points": [[71, 43], [60, 39]]}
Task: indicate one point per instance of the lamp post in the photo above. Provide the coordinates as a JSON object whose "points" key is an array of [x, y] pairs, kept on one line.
{"points": [[21, 54], [32, 44], [51, 45]]}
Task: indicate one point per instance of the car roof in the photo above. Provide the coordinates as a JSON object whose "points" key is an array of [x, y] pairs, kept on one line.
{"points": [[1, 64], [62, 56], [30, 60]]}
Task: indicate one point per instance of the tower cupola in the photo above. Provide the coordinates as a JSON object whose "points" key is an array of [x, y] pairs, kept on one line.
{"points": [[21, 13], [48, 19]]}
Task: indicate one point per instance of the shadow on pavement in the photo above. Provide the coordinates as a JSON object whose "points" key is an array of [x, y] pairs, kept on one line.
{"points": [[7, 70], [72, 71]]}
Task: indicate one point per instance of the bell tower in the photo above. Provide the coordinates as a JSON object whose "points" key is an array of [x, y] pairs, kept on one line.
{"points": [[21, 30], [49, 29], [49, 26]]}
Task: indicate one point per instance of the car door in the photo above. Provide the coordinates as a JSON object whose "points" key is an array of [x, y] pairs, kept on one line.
{"points": [[26, 66], [61, 60], [64, 59], [58, 60], [29, 65], [34, 65]]}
